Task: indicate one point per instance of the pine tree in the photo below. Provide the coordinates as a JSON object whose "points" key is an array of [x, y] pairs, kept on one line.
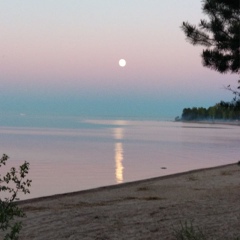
{"points": [[220, 35]]}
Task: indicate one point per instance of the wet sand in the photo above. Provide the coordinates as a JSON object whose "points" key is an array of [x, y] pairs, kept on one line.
{"points": [[147, 209]]}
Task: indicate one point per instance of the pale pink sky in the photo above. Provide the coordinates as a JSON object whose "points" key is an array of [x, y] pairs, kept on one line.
{"points": [[73, 47]]}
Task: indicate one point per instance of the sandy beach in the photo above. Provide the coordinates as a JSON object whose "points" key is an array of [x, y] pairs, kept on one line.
{"points": [[148, 209]]}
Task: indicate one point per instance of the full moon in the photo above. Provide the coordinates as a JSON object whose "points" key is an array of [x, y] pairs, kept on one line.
{"points": [[122, 62]]}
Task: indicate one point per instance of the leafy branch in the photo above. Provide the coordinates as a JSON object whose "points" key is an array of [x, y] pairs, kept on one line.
{"points": [[11, 184]]}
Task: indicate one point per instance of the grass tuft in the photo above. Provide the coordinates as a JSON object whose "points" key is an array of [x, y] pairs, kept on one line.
{"points": [[188, 232]]}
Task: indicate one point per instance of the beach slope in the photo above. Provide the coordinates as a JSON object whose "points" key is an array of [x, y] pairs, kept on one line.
{"points": [[148, 209]]}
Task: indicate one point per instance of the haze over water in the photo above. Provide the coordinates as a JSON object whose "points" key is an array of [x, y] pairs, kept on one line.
{"points": [[106, 152]]}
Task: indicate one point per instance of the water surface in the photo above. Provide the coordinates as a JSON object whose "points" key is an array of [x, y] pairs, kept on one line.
{"points": [[106, 152]]}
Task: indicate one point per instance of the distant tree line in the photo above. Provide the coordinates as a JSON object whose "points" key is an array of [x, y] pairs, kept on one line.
{"points": [[221, 111]]}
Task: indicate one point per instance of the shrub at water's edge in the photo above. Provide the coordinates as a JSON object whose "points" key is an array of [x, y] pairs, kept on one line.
{"points": [[12, 183]]}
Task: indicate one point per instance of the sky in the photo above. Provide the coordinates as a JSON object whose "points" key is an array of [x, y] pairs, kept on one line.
{"points": [[61, 57]]}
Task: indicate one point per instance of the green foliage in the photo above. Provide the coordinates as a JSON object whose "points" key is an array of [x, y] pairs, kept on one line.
{"points": [[11, 184], [188, 232], [220, 111]]}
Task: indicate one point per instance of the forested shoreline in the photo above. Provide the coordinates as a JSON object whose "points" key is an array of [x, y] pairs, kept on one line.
{"points": [[220, 111]]}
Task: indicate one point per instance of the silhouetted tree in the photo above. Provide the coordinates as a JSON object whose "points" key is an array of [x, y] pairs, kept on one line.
{"points": [[220, 35]]}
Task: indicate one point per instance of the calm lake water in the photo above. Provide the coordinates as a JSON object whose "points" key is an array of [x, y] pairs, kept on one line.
{"points": [[101, 152]]}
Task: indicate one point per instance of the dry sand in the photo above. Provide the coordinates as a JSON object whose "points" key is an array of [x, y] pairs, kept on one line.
{"points": [[149, 209]]}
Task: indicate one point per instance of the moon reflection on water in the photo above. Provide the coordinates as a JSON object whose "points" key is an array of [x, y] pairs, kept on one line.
{"points": [[118, 136]]}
